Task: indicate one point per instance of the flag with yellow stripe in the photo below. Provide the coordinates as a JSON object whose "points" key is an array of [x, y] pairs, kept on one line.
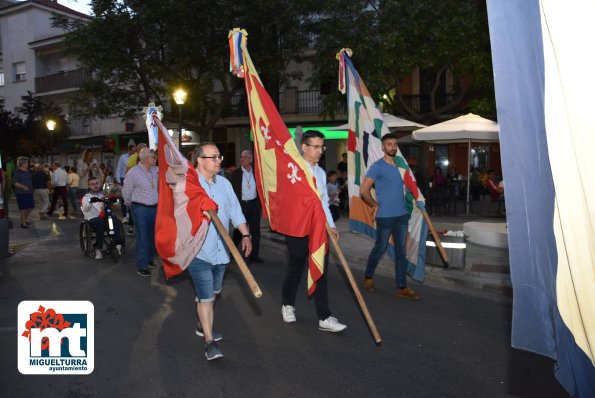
{"points": [[290, 199]]}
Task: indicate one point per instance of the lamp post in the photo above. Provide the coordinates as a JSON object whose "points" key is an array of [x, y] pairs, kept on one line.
{"points": [[180, 98], [51, 125]]}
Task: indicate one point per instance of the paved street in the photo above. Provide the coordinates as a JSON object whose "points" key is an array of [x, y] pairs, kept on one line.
{"points": [[448, 344]]}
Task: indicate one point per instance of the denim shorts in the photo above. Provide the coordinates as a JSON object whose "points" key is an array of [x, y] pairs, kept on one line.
{"points": [[207, 278]]}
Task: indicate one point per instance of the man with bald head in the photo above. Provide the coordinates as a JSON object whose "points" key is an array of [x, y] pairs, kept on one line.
{"points": [[208, 267], [140, 193], [244, 185]]}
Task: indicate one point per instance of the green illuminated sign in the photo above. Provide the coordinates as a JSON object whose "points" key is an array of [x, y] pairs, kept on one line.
{"points": [[325, 130]]}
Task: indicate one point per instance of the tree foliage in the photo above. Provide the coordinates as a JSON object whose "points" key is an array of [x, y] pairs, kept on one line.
{"points": [[391, 38], [26, 133], [142, 50]]}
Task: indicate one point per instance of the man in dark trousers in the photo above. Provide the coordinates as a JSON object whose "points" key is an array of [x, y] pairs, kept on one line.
{"points": [[243, 182]]}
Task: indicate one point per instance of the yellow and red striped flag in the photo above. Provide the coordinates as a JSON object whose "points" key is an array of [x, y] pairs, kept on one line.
{"points": [[290, 199]]}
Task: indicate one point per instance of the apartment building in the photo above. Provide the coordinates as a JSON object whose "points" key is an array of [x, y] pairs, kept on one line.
{"points": [[32, 59]]}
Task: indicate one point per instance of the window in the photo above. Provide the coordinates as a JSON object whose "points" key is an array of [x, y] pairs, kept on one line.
{"points": [[20, 71], [1, 79]]}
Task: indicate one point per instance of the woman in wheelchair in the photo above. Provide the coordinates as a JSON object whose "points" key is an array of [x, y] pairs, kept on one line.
{"points": [[93, 208]]}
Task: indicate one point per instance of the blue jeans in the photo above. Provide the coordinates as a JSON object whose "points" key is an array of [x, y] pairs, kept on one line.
{"points": [[100, 225], [74, 199], [384, 227], [144, 218], [207, 278]]}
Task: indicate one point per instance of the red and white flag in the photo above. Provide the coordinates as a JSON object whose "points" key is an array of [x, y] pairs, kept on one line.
{"points": [[181, 226]]}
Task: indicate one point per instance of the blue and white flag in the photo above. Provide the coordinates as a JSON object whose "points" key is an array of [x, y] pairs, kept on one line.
{"points": [[544, 95]]}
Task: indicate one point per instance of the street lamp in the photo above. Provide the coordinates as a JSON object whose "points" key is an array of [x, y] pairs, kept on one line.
{"points": [[51, 125], [180, 97]]}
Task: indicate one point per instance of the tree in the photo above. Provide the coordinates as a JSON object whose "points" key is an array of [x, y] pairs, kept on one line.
{"points": [[391, 38], [140, 51], [26, 133]]}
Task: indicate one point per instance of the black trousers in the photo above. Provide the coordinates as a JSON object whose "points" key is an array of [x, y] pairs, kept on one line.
{"points": [[298, 261], [59, 192], [252, 212]]}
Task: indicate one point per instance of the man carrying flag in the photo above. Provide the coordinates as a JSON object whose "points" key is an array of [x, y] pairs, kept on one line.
{"points": [[292, 189], [391, 215], [297, 247], [208, 267]]}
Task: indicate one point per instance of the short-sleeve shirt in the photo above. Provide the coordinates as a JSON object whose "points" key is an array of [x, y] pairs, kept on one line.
{"points": [[25, 178], [389, 189]]}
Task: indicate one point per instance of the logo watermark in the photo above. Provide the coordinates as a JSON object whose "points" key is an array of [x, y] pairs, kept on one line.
{"points": [[56, 337]]}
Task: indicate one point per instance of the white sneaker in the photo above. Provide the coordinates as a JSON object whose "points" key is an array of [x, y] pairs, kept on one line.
{"points": [[125, 220], [119, 249], [130, 231], [288, 313], [61, 218], [98, 255], [72, 217], [331, 324]]}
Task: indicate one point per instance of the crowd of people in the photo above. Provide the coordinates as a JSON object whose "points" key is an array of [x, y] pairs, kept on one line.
{"points": [[43, 187]]}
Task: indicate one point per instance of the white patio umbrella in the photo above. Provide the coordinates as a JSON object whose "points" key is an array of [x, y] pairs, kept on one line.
{"points": [[468, 128], [392, 122]]}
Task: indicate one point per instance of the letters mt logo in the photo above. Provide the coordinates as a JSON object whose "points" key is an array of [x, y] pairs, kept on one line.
{"points": [[56, 338]]}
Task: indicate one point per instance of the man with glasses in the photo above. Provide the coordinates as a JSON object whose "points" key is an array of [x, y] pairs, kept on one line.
{"points": [[243, 181], [140, 193], [208, 267], [312, 150]]}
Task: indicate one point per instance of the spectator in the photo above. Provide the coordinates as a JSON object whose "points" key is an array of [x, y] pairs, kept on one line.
{"points": [[73, 189], [60, 184], [87, 167], [141, 195], [23, 185], [342, 165], [332, 186], [437, 178], [41, 185]]}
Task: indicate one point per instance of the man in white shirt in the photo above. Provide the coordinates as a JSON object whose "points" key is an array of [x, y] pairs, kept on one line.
{"points": [[60, 182], [312, 150], [94, 212]]}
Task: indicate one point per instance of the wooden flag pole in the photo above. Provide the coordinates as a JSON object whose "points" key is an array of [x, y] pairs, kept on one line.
{"points": [[436, 237], [236, 255], [358, 294]]}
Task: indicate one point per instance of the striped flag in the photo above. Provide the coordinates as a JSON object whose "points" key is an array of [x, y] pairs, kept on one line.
{"points": [[290, 199], [544, 103], [181, 226], [366, 127]]}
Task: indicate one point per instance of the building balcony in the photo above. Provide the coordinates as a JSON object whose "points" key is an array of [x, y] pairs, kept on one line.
{"points": [[61, 81], [290, 101]]}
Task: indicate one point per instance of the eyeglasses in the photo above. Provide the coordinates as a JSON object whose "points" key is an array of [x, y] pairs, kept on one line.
{"points": [[215, 158], [321, 147]]}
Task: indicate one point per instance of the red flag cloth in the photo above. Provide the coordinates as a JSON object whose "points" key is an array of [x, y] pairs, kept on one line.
{"points": [[290, 199], [181, 226]]}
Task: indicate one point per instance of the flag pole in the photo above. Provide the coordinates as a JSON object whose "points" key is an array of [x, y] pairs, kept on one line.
{"points": [[436, 237], [236, 255], [356, 291]]}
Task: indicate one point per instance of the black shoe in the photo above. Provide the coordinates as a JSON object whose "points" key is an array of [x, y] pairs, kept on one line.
{"points": [[24, 226], [212, 351], [257, 260], [216, 335], [144, 272], [152, 265]]}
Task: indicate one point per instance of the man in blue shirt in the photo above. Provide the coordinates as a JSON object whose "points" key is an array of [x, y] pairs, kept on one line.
{"points": [[391, 215], [208, 266]]}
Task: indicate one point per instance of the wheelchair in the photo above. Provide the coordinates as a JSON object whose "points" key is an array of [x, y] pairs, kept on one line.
{"points": [[87, 233]]}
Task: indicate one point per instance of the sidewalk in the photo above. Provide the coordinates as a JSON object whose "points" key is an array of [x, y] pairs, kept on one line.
{"points": [[486, 268]]}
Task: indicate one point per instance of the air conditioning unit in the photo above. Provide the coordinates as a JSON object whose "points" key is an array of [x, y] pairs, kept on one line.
{"points": [[19, 77]]}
